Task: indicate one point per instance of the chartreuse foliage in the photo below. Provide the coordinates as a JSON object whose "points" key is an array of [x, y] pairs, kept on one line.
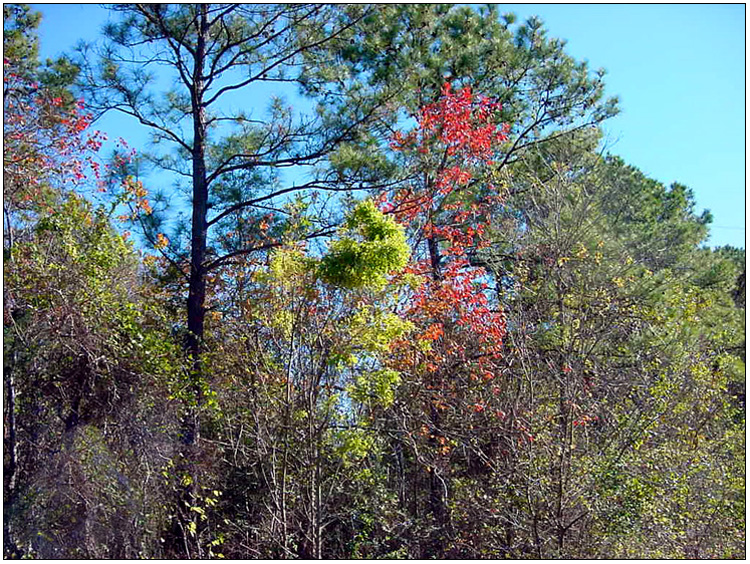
{"points": [[373, 330], [370, 246], [376, 386]]}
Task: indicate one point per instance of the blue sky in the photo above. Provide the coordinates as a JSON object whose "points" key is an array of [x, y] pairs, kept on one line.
{"points": [[679, 71]]}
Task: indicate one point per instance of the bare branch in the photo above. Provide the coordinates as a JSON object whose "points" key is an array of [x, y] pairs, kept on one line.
{"points": [[266, 246]]}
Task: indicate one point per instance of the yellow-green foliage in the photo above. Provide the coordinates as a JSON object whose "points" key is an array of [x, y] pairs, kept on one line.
{"points": [[353, 444], [371, 245], [376, 387], [369, 331], [84, 239], [289, 266], [373, 330]]}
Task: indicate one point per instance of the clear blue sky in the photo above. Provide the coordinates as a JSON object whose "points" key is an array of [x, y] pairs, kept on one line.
{"points": [[679, 71]]}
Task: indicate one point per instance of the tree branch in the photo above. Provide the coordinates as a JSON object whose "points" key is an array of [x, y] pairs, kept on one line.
{"points": [[223, 260]]}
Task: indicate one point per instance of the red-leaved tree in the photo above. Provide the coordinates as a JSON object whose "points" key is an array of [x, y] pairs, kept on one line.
{"points": [[452, 357], [47, 146]]}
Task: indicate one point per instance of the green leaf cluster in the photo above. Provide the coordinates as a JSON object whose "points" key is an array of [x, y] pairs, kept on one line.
{"points": [[370, 246]]}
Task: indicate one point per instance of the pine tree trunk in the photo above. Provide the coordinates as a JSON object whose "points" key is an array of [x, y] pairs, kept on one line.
{"points": [[196, 311], [188, 523]]}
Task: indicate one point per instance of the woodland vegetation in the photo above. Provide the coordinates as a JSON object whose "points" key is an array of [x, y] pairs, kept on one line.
{"points": [[407, 308]]}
